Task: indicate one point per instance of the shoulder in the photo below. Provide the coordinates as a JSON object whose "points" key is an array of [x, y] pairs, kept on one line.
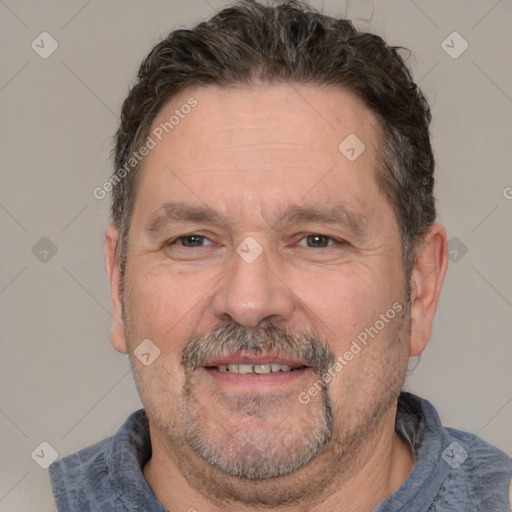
{"points": [[96, 477], [463, 471], [478, 452], [79, 463], [480, 469], [81, 473]]}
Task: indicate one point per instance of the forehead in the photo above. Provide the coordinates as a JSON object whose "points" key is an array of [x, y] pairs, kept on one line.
{"points": [[316, 118], [262, 142]]}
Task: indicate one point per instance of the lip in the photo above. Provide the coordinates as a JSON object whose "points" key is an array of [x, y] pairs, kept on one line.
{"points": [[251, 382]]}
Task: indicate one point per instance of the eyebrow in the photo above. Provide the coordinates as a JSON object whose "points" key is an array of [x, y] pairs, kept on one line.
{"points": [[180, 212], [338, 214]]}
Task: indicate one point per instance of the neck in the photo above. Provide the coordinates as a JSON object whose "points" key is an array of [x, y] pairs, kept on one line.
{"points": [[379, 465]]}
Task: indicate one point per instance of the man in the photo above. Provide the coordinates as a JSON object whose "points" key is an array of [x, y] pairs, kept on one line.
{"points": [[273, 263]]}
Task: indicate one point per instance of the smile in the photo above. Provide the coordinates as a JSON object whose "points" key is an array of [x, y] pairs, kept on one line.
{"points": [[256, 368], [252, 372]]}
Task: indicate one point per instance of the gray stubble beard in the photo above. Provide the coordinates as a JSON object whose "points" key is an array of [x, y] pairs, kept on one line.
{"points": [[260, 456]]}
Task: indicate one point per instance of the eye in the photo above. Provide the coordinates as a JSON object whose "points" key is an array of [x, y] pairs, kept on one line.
{"points": [[192, 240], [317, 241]]}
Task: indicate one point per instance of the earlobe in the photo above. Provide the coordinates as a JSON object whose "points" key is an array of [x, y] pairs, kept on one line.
{"points": [[117, 331], [426, 281]]}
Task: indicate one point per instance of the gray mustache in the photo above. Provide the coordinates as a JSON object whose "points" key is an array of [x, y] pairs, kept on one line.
{"points": [[277, 341]]}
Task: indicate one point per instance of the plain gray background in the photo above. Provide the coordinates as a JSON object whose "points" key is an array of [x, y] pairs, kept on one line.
{"points": [[62, 382]]}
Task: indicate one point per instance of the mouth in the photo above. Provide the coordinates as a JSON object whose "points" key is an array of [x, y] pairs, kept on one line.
{"points": [[258, 369], [263, 370]]}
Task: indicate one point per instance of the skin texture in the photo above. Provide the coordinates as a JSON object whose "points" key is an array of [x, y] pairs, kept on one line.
{"points": [[249, 155]]}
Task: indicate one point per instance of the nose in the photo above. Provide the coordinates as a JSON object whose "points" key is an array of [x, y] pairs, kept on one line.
{"points": [[252, 294]]}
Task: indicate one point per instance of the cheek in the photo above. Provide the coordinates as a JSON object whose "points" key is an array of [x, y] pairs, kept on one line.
{"points": [[162, 308], [158, 312], [162, 292], [343, 302]]}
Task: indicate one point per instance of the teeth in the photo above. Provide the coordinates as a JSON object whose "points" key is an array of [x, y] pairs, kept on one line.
{"points": [[261, 368], [255, 368], [245, 368]]}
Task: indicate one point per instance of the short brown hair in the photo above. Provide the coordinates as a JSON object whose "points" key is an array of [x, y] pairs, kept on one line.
{"points": [[249, 42]]}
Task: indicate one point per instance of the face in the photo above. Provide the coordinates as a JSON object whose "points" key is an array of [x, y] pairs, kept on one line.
{"points": [[261, 256]]}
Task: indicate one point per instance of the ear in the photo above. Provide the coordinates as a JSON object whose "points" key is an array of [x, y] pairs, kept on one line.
{"points": [[426, 281], [117, 333]]}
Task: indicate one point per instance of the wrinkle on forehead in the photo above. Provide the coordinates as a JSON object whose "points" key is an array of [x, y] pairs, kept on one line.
{"points": [[261, 157], [269, 143]]}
